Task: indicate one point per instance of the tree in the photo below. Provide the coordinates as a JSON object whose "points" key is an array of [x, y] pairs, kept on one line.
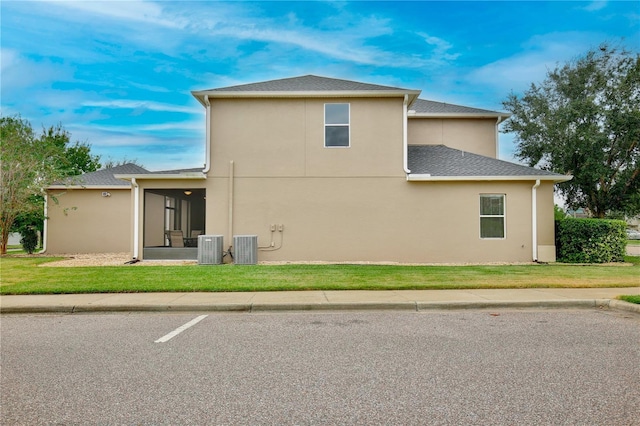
{"points": [[584, 120], [28, 165], [111, 163], [73, 159]]}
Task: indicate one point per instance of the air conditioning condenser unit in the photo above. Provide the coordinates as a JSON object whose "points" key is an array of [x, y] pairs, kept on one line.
{"points": [[209, 249], [245, 249]]}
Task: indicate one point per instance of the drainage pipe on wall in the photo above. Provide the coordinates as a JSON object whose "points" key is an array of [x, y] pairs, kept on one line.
{"points": [[498, 135], [405, 148], [534, 220], [45, 225], [231, 176], [136, 219], [207, 159]]}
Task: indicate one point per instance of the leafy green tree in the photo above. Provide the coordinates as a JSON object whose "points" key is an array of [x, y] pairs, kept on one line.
{"points": [[73, 159], [29, 164], [584, 120], [111, 163], [559, 213]]}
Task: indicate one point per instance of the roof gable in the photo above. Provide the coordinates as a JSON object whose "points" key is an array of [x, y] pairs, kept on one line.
{"points": [[304, 86], [307, 83]]}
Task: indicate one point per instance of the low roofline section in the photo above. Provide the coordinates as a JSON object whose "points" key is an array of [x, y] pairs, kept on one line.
{"points": [[498, 115], [415, 177], [163, 176], [76, 186]]}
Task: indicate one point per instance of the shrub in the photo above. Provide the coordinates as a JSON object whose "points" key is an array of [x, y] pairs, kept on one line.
{"points": [[590, 240], [29, 239]]}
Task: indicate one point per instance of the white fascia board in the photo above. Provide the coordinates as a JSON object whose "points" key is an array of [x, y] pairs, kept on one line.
{"points": [[163, 176], [413, 94], [429, 178], [77, 186], [501, 116]]}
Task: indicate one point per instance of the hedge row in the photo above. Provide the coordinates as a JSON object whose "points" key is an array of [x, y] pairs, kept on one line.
{"points": [[590, 240]]}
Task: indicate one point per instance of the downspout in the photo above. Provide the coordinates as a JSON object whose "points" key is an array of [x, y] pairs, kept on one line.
{"points": [[231, 173], [136, 219], [534, 220], [498, 136], [405, 150], [207, 160], [45, 226]]}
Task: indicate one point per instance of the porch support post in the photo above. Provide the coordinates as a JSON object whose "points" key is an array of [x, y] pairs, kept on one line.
{"points": [[136, 219]]}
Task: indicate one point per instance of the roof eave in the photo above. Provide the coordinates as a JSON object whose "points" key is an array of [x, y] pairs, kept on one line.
{"points": [[498, 115], [163, 176], [79, 186], [200, 95], [423, 177]]}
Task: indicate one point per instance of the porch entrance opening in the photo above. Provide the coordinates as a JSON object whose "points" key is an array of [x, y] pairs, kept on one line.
{"points": [[173, 219]]}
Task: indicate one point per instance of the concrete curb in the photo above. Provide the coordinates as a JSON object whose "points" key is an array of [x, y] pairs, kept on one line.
{"points": [[621, 305], [517, 304], [343, 306]]}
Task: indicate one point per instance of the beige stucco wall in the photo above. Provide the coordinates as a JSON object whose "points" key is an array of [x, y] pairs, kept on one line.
{"points": [[153, 228], [371, 219], [285, 138], [83, 221], [546, 223], [354, 204], [472, 135]]}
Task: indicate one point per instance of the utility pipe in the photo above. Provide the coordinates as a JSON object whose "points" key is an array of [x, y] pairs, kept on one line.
{"points": [[45, 226], [136, 219], [534, 220], [405, 148], [207, 159], [231, 176], [498, 136]]}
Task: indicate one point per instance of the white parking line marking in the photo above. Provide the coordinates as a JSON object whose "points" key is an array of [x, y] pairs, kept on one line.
{"points": [[180, 329]]}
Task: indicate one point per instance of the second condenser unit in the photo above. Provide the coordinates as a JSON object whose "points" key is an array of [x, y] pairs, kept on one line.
{"points": [[245, 249]]}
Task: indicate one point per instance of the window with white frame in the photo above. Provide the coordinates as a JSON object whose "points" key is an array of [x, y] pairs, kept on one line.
{"points": [[336, 126], [492, 216]]}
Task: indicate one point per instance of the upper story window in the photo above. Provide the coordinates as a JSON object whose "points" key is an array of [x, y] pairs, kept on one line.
{"points": [[336, 126], [492, 216]]}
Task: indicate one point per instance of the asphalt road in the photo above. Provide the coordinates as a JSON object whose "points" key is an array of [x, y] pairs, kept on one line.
{"points": [[464, 367]]}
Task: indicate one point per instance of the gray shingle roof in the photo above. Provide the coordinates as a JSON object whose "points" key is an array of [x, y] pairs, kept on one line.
{"points": [[304, 84], [177, 171], [105, 177], [440, 160], [423, 106]]}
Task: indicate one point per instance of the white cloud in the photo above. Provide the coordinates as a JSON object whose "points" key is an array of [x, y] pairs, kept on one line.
{"points": [[131, 10], [441, 47], [141, 105], [19, 71], [595, 6], [531, 64]]}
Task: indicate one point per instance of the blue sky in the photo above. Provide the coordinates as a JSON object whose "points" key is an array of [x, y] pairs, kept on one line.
{"points": [[118, 74]]}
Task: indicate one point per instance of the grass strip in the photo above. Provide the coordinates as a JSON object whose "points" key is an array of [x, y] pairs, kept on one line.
{"points": [[23, 276], [635, 298]]}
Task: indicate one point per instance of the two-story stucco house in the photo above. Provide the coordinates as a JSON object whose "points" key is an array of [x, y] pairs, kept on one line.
{"points": [[322, 169]]}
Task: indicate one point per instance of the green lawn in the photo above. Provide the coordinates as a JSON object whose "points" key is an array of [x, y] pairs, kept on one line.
{"points": [[631, 298], [21, 275]]}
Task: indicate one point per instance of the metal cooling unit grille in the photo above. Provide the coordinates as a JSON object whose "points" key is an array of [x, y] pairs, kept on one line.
{"points": [[245, 249], [209, 249]]}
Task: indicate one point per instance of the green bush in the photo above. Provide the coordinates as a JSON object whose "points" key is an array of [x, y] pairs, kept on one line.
{"points": [[590, 240], [29, 239]]}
